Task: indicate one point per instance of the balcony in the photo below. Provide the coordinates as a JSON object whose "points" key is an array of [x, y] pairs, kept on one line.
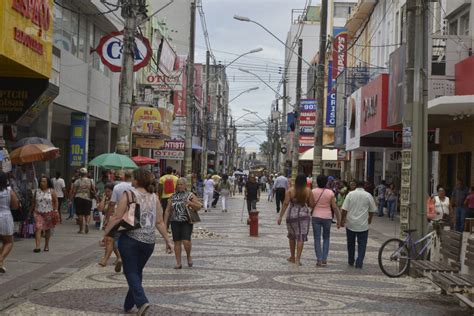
{"points": [[455, 6], [359, 15]]}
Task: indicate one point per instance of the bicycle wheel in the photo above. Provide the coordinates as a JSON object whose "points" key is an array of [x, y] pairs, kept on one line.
{"points": [[394, 258]]}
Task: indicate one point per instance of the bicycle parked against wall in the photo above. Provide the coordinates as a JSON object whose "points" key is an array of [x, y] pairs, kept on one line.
{"points": [[395, 254]]}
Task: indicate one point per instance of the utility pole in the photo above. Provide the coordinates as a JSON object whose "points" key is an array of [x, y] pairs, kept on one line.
{"points": [[205, 130], [296, 135], [284, 126], [414, 188], [320, 75], [188, 142], [129, 12]]}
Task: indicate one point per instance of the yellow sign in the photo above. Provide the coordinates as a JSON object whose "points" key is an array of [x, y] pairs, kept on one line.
{"points": [[26, 38], [167, 121], [146, 121], [152, 143]]}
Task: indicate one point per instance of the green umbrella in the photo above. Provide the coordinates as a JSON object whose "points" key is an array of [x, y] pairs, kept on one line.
{"points": [[113, 161]]}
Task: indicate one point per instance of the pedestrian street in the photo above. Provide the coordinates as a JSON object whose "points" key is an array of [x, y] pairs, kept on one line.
{"points": [[237, 274]]}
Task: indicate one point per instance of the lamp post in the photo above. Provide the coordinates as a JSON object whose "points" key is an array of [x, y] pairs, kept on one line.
{"points": [[243, 92], [259, 78]]}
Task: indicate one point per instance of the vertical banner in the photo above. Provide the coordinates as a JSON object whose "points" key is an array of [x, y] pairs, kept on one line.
{"points": [[335, 68], [307, 123], [77, 152], [331, 100]]}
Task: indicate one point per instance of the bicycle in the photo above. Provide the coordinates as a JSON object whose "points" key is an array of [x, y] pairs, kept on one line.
{"points": [[395, 254]]}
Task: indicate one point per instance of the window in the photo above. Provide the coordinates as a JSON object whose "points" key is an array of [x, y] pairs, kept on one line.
{"points": [[453, 27], [341, 10], [397, 28], [82, 52], [464, 24]]}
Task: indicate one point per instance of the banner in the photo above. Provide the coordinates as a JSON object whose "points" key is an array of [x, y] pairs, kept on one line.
{"points": [[168, 154], [146, 121], [331, 100], [77, 153], [307, 123], [339, 51]]}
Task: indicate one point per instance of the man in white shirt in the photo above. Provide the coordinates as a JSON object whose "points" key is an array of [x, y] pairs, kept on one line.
{"points": [[60, 189], [279, 188], [357, 212], [118, 191]]}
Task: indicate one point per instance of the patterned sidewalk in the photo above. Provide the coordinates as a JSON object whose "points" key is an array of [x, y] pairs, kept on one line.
{"points": [[237, 274]]}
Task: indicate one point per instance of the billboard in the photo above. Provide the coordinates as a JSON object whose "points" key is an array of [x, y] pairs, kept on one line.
{"points": [[353, 120], [307, 123], [396, 86], [77, 152]]}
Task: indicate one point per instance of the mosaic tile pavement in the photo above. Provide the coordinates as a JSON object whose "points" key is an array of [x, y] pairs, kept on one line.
{"points": [[238, 274]]}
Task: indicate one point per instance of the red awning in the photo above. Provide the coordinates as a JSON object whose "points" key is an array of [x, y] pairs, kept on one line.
{"points": [[142, 161]]}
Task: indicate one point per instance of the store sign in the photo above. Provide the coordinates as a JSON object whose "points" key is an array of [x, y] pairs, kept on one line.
{"points": [[370, 107], [353, 120], [342, 155], [168, 154], [166, 57], [41, 103], [161, 82], [77, 152], [151, 143], [331, 99], [26, 36], [146, 121], [179, 97], [339, 51], [110, 50], [307, 117], [332, 165], [174, 145]]}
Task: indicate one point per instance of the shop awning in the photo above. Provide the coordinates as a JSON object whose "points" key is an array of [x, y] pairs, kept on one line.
{"points": [[328, 154], [452, 105]]}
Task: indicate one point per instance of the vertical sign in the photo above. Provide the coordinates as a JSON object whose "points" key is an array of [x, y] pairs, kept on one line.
{"points": [[77, 155], [331, 100], [336, 67], [307, 123]]}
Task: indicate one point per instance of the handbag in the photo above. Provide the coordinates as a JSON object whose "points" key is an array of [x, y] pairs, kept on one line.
{"points": [[131, 218], [193, 216], [430, 209]]}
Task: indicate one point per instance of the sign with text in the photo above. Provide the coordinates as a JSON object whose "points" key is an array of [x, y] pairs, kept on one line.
{"points": [[168, 154], [151, 143], [339, 51], [174, 144], [331, 99], [307, 117], [332, 165], [77, 152]]}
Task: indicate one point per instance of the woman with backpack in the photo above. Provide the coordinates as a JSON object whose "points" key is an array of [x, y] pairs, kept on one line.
{"points": [[298, 202], [83, 192], [224, 191]]}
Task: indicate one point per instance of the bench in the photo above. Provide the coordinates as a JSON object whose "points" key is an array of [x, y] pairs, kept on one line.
{"points": [[451, 244], [459, 285]]}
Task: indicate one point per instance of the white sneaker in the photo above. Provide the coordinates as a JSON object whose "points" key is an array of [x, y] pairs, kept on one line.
{"points": [[143, 309]]}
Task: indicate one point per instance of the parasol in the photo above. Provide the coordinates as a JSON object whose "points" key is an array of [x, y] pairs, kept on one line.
{"points": [[32, 140], [143, 161], [113, 161], [33, 152]]}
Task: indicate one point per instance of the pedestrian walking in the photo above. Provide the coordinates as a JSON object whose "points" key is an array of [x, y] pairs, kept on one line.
{"points": [[443, 207], [357, 212], [208, 192], [8, 202], [83, 192], [392, 199], [324, 206], [177, 213], [241, 184], [270, 189], [224, 191], [232, 185], [263, 182], [298, 202], [60, 190], [252, 194], [136, 246], [458, 197], [167, 186], [109, 241], [45, 211], [279, 188], [71, 204], [217, 181], [469, 203], [380, 195]]}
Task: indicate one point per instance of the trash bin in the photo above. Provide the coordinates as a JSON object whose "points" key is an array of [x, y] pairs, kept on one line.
{"points": [[254, 223]]}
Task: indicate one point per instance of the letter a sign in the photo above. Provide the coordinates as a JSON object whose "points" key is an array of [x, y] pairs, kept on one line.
{"points": [[110, 50]]}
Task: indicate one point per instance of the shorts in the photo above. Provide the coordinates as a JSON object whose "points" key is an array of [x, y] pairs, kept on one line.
{"points": [[181, 231], [83, 207]]}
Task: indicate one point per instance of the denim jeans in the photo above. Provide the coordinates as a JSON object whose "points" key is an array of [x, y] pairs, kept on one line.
{"points": [[321, 225], [460, 216], [135, 255], [380, 206], [361, 246], [392, 208]]}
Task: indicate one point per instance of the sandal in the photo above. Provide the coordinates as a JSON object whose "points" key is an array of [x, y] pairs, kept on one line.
{"points": [[46, 249], [290, 259], [178, 267], [102, 264], [118, 266], [37, 250]]}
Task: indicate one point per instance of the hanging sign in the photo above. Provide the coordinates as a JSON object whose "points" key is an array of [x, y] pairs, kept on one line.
{"points": [[77, 152], [110, 50], [331, 100]]}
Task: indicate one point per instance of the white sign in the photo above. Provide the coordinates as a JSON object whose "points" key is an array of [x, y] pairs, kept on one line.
{"points": [[332, 165], [168, 154], [161, 82]]}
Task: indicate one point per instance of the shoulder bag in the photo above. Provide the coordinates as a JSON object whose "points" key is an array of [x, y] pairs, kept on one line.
{"points": [[131, 217], [193, 216]]}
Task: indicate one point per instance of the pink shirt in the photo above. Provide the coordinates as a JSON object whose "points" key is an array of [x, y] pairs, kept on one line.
{"points": [[322, 209], [470, 200]]}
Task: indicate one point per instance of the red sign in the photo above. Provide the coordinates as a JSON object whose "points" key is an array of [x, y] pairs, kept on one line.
{"points": [[464, 72], [110, 50], [305, 142], [28, 41], [374, 107], [339, 52], [179, 97], [36, 10]]}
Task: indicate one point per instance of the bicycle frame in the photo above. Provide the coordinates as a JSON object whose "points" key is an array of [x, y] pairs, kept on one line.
{"points": [[414, 244]]}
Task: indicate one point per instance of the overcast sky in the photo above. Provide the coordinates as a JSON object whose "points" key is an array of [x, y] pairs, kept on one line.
{"points": [[229, 36]]}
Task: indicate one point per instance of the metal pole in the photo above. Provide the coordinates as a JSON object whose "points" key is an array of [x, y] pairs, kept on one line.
{"points": [[126, 79], [296, 135], [284, 126], [318, 129], [188, 143], [205, 131]]}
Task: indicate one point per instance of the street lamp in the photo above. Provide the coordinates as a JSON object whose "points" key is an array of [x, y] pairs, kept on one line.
{"points": [[246, 91], [246, 19], [259, 78], [256, 115]]}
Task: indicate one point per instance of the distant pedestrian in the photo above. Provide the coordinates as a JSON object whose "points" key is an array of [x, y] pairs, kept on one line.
{"points": [[217, 181], [209, 188], [324, 206], [232, 185], [177, 213], [279, 187], [224, 191], [270, 188], [263, 182], [443, 207], [252, 193], [71, 204], [167, 186], [8, 202], [241, 184], [357, 212], [352, 186], [458, 197], [136, 246], [380, 195], [60, 189], [392, 200], [45, 210], [83, 192], [299, 202], [469, 203]]}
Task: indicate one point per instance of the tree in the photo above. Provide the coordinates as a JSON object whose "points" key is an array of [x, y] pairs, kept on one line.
{"points": [[265, 148]]}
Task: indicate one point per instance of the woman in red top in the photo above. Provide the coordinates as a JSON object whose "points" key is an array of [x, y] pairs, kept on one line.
{"points": [[324, 203], [469, 202]]}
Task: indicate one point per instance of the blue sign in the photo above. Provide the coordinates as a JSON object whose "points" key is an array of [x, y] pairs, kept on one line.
{"points": [[308, 105], [331, 101], [290, 119], [77, 150]]}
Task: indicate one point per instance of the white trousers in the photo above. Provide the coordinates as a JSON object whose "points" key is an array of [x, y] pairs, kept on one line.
{"points": [[208, 199], [224, 202]]}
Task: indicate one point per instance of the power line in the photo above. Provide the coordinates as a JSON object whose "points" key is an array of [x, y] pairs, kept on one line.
{"points": [[204, 30], [56, 2]]}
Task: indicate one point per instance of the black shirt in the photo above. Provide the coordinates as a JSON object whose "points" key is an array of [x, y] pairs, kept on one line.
{"points": [[252, 190]]}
